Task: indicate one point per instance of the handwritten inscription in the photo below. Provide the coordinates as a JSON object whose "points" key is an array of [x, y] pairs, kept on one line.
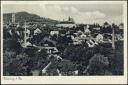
{"points": [[12, 78]]}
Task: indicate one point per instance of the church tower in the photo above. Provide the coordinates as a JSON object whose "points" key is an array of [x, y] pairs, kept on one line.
{"points": [[71, 20]]}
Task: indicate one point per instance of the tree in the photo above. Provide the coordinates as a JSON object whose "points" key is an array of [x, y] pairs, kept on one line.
{"points": [[15, 65], [42, 58], [13, 45], [79, 55], [7, 59], [97, 65]]}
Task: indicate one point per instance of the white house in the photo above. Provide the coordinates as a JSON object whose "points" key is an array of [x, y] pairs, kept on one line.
{"points": [[75, 72], [66, 25], [54, 32], [86, 30], [79, 32], [49, 49], [72, 37], [83, 36], [28, 44], [37, 31], [26, 36], [121, 26], [99, 38], [27, 32], [76, 41], [96, 28], [91, 43]]}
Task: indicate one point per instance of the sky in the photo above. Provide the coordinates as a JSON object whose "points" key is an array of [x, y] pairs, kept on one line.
{"points": [[81, 13]]}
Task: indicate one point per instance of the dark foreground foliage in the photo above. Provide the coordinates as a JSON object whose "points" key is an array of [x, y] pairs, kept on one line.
{"points": [[75, 58]]}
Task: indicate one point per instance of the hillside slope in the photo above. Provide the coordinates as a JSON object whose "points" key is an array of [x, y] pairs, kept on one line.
{"points": [[28, 17]]}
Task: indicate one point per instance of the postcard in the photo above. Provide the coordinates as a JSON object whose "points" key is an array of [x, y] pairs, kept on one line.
{"points": [[64, 42]]}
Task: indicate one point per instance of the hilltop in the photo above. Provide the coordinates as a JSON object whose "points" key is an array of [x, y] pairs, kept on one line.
{"points": [[28, 17]]}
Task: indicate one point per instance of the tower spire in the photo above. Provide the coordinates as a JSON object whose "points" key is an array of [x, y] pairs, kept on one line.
{"points": [[113, 37], [69, 19], [13, 18], [25, 35]]}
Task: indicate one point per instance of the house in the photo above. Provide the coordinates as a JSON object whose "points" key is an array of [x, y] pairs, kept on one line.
{"points": [[50, 50], [86, 30], [66, 25], [99, 38], [27, 32], [91, 43], [106, 24], [96, 28], [107, 41], [75, 34], [37, 31], [48, 41], [121, 26], [121, 29], [107, 36], [76, 41], [79, 32], [28, 44], [72, 37], [118, 37], [83, 36], [54, 33]]}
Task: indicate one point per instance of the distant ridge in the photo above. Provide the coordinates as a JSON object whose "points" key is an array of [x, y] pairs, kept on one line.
{"points": [[28, 17]]}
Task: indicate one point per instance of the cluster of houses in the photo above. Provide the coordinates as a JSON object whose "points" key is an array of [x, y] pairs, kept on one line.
{"points": [[93, 34], [67, 30]]}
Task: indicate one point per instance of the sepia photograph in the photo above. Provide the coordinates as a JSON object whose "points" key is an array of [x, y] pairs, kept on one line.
{"points": [[63, 39]]}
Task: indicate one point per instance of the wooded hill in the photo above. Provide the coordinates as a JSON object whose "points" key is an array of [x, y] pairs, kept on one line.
{"points": [[20, 17]]}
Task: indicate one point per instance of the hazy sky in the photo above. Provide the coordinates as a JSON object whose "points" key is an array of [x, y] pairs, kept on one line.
{"points": [[82, 13]]}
